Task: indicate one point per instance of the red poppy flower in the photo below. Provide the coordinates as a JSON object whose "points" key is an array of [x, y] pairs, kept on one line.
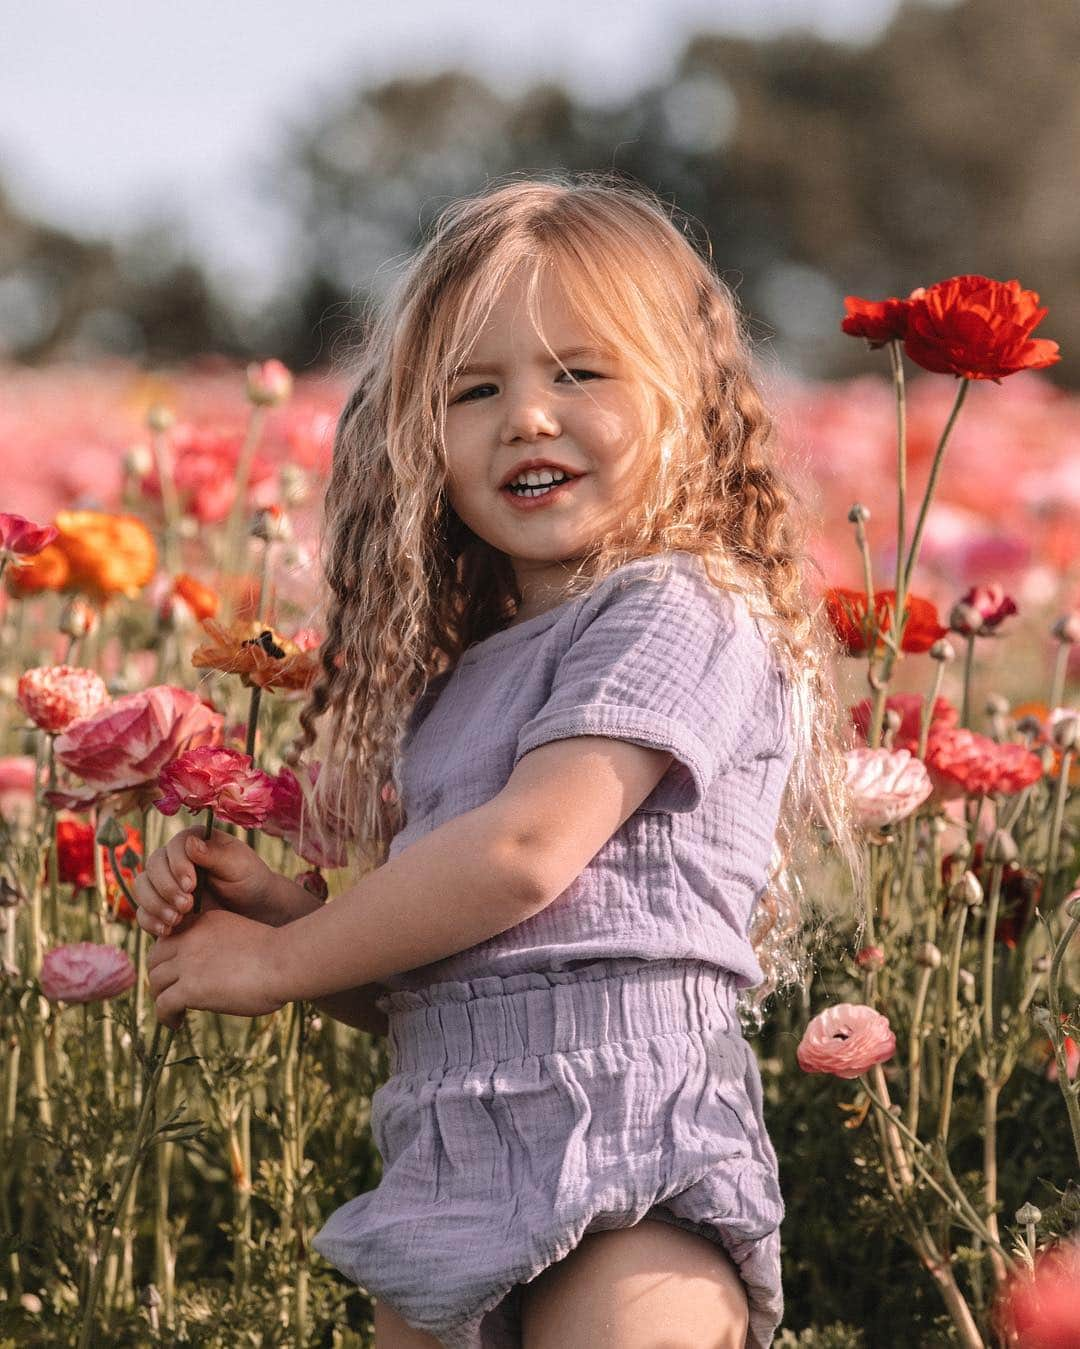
{"points": [[909, 707], [977, 328], [963, 762], [75, 862], [847, 611], [879, 321]]}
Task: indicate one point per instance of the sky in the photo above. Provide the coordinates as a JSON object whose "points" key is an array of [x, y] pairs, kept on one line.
{"points": [[122, 110]]}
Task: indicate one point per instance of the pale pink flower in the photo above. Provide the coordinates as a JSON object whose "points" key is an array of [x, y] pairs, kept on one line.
{"points": [[218, 779], [121, 749], [268, 383], [86, 972], [1041, 1310], [17, 788], [290, 819], [21, 538], [845, 1040], [53, 696], [885, 785]]}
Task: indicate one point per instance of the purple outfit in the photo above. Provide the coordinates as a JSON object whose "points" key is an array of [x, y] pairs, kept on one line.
{"points": [[586, 1069]]}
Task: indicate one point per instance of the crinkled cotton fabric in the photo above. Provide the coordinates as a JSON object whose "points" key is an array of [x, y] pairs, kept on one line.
{"points": [[584, 1069], [524, 1112]]}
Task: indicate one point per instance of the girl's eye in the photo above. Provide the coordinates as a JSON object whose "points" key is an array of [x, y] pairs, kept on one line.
{"points": [[467, 397]]}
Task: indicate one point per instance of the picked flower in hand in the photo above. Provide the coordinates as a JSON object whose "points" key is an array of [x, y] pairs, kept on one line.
{"points": [[217, 779]]}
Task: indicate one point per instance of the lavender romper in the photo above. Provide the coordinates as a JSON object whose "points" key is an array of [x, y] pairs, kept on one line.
{"points": [[586, 1068]]}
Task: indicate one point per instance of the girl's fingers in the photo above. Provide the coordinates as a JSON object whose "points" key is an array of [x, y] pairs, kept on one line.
{"points": [[164, 880]]}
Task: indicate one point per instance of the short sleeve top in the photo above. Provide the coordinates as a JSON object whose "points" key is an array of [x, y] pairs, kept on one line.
{"points": [[662, 660]]}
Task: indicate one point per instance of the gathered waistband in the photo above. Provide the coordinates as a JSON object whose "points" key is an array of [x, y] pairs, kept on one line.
{"points": [[494, 1018]]}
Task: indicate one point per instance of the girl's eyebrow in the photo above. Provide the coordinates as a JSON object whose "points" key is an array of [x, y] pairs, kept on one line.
{"points": [[564, 356]]}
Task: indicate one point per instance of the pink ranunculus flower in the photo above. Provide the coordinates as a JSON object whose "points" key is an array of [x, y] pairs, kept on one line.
{"points": [[21, 538], [961, 761], [845, 1040], [16, 787], [218, 779], [885, 785], [290, 820], [121, 749], [86, 971], [981, 610], [1041, 1310], [53, 696]]}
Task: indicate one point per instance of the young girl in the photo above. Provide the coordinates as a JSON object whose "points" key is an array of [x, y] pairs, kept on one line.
{"points": [[571, 678]]}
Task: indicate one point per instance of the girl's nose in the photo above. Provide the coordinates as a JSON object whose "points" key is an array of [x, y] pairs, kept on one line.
{"points": [[528, 418]]}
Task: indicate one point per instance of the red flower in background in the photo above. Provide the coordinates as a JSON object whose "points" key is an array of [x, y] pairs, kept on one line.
{"points": [[977, 328], [981, 611], [909, 707], [1042, 1310], [879, 321], [20, 538], [205, 459], [962, 762], [847, 610], [53, 696], [218, 779], [1021, 891], [75, 859]]}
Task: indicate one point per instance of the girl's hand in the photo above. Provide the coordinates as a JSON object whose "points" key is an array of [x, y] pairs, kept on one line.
{"points": [[221, 963], [231, 876]]}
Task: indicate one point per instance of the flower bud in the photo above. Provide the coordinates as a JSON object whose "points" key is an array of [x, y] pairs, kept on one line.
{"points": [[997, 706], [938, 824], [965, 619], [967, 985], [77, 618], [269, 383], [1028, 1213], [943, 650], [1040, 964], [928, 955], [1029, 726], [159, 417], [110, 834], [1002, 848], [295, 486], [870, 958], [1066, 731], [859, 514], [271, 524], [967, 890], [1072, 904], [316, 1024], [1046, 757], [138, 461], [1067, 628]]}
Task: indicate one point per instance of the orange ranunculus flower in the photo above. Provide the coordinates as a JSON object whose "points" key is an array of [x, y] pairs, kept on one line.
{"points": [[847, 611], [200, 599], [47, 570], [258, 654], [108, 554], [977, 328]]}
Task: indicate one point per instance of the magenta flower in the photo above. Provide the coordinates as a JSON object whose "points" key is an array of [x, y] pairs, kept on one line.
{"points": [[121, 749], [845, 1040], [86, 972], [217, 779], [981, 610], [885, 785], [53, 696], [21, 538], [289, 818]]}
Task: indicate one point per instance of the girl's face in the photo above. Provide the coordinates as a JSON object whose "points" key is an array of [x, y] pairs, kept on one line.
{"points": [[512, 405]]}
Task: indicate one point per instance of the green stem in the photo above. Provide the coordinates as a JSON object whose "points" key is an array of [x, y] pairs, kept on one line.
{"points": [[935, 469], [1057, 684], [969, 665], [1072, 1103]]}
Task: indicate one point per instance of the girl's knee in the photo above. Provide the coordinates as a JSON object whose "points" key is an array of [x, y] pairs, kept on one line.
{"points": [[392, 1331]]}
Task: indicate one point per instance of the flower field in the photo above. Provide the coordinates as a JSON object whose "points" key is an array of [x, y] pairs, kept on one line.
{"points": [[158, 536]]}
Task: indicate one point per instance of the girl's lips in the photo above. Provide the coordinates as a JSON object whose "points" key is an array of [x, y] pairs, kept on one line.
{"points": [[524, 503]]}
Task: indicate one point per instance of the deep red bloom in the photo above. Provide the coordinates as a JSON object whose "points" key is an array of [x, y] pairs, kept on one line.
{"points": [[847, 611], [1021, 891], [879, 321], [977, 328], [75, 858]]}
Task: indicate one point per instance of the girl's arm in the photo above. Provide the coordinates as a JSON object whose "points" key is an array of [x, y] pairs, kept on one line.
{"points": [[352, 1006]]}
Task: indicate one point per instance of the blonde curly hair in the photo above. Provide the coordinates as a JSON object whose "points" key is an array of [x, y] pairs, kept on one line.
{"points": [[410, 586]]}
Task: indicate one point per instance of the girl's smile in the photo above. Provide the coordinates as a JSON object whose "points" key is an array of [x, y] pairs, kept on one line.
{"points": [[514, 408]]}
